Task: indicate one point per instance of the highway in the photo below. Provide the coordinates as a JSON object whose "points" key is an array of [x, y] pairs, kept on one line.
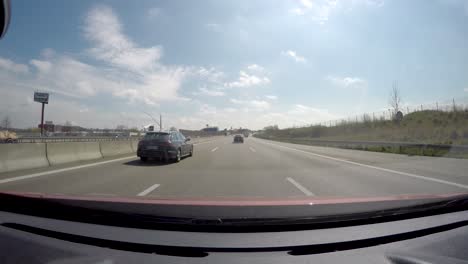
{"points": [[257, 168]]}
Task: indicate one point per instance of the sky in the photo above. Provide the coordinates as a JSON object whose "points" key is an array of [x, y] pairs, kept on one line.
{"points": [[229, 64]]}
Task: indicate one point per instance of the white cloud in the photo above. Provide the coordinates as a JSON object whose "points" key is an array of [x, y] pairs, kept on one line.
{"points": [[103, 28], [230, 109], [243, 114], [24, 112], [138, 73], [154, 12], [271, 97], [128, 71], [299, 115], [211, 92], [257, 105], [210, 74], [11, 66], [255, 67], [68, 76], [42, 66], [347, 82], [320, 10], [248, 80], [293, 55], [206, 109], [306, 3]]}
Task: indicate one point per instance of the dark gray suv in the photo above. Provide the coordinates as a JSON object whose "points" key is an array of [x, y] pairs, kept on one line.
{"points": [[166, 146]]}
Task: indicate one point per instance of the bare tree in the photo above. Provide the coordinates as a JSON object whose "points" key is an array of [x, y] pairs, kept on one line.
{"points": [[68, 123], [395, 98], [6, 123]]}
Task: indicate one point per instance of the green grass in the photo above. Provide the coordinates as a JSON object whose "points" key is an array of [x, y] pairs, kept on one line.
{"points": [[432, 127], [429, 127]]}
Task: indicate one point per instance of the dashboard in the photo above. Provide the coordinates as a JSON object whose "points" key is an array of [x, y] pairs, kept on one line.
{"points": [[432, 239]]}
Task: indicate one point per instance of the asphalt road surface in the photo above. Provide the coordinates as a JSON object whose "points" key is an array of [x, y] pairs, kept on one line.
{"points": [[256, 168]]}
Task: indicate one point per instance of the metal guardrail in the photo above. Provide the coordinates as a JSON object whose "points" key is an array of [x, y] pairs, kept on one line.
{"points": [[71, 139], [345, 143], [74, 139]]}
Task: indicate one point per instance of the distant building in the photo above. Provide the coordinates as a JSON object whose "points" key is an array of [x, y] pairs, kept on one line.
{"points": [[48, 126], [210, 129]]}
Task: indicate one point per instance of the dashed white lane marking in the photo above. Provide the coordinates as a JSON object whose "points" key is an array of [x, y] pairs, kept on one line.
{"points": [[300, 187], [374, 167], [213, 150], [252, 149], [148, 190], [24, 177]]}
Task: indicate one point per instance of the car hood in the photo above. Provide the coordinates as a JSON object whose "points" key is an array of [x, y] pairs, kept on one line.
{"points": [[230, 214], [239, 201]]}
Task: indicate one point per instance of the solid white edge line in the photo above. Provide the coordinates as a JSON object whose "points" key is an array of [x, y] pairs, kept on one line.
{"points": [[300, 187], [252, 149], [24, 177], [374, 167], [148, 190], [213, 150]]}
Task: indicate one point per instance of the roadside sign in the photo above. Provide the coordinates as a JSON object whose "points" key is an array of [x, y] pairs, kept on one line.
{"points": [[41, 97]]}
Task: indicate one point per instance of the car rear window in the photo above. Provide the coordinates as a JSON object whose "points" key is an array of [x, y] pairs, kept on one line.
{"points": [[157, 136]]}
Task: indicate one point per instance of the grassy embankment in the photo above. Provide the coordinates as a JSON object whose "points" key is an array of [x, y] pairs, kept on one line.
{"points": [[427, 127]]}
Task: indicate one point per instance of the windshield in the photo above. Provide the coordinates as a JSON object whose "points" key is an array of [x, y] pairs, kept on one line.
{"points": [[296, 100]]}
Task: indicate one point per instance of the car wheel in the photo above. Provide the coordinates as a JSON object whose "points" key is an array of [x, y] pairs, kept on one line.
{"points": [[177, 159], [144, 159], [191, 152]]}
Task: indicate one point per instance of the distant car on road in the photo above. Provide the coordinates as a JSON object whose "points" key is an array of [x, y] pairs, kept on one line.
{"points": [[238, 139], [166, 146]]}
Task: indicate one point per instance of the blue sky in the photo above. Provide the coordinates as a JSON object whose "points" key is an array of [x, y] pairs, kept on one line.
{"points": [[229, 63]]}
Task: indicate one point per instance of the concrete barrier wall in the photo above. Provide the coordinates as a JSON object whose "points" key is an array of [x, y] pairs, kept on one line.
{"points": [[22, 156], [64, 152], [134, 145], [36, 155], [114, 148]]}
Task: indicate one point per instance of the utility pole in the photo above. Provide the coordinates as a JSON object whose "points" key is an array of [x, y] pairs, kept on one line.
{"points": [[160, 122], [42, 120]]}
